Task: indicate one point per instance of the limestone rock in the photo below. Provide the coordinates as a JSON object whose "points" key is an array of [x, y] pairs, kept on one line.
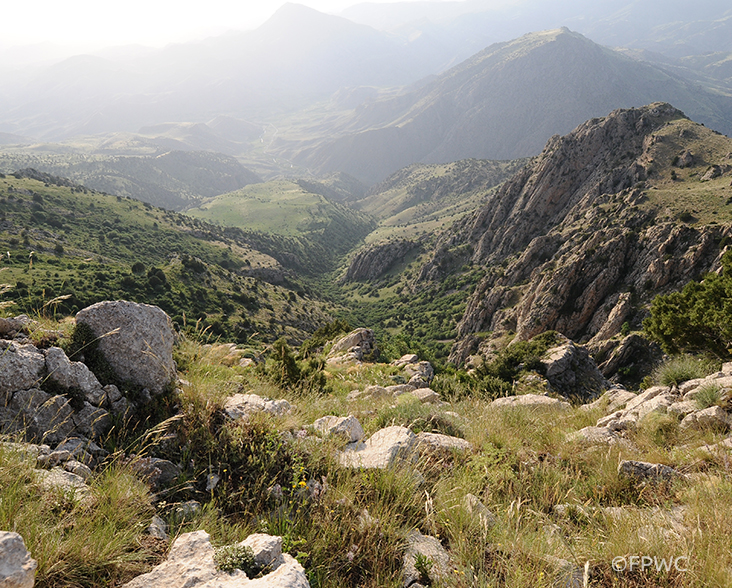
{"points": [[347, 427], [572, 372], [406, 359], [641, 471], [190, 564], [438, 443], [613, 400], [136, 339], [420, 374], [426, 396], [241, 406], [594, 436], [21, 368], [531, 400], [356, 346], [712, 417], [12, 326], [375, 260], [430, 548], [66, 481], [382, 450], [158, 528], [399, 389], [73, 374], [17, 568], [374, 392], [42, 416]]}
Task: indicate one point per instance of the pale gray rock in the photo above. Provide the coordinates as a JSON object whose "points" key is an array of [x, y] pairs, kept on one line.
{"points": [[21, 367], [436, 443], [158, 528], [67, 482], [399, 389], [657, 404], [594, 436], [420, 374], [531, 400], [475, 507], [346, 427], [682, 408], [113, 393], [382, 450], [242, 406], [571, 371], [612, 400], [356, 346], [79, 469], [42, 416], [428, 547], [641, 471], [406, 359], [73, 374], [645, 397], [713, 417], [374, 392], [190, 564], [267, 549], [17, 568], [137, 341], [12, 326], [426, 396]]}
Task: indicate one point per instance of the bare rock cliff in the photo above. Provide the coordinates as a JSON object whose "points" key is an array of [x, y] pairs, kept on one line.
{"points": [[568, 243]]}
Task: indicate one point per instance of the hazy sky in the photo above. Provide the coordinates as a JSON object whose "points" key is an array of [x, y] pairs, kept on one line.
{"points": [[149, 22]]}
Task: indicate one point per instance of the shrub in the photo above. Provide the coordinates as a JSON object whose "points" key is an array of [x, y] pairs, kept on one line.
{"points": [[236, 557]]}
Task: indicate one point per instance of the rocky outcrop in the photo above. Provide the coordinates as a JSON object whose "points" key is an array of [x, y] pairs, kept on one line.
{"points": [[137, 341], [429, 549], [347, 428], [357, 346], [374, 261], [242, 406], [190, 564], [572, 372], [17, 568], [565, 240]]}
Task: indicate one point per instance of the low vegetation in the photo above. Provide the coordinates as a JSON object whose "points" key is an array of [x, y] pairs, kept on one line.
{"points": [[349, 527]]}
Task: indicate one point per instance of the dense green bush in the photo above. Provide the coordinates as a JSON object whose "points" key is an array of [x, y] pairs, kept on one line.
{"points": [[697, 319]]}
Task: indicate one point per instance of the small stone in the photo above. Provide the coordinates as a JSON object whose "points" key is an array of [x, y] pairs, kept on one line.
{"points": [[158, 528], [644, 471]]}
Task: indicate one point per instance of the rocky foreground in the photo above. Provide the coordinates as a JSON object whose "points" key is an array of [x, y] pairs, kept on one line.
{"points": [[60, 413]]}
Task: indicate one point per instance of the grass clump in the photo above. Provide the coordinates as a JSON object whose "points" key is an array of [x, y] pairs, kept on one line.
{"points": [[708, 395], [682, 368]]}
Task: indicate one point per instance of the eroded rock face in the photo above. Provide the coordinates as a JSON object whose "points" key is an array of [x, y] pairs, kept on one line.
{"points": [[190, 564], [373, 261], [136, 339], [17, 568], [559, 260], [242, 406]]}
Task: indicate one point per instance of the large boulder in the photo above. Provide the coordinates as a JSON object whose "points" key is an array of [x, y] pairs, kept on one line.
{"points": [[17, 568], [572, 372], [348, 428], [382, 450], [190, 564], [356, 346], [136, 339], [21, 368], [242, 406]]}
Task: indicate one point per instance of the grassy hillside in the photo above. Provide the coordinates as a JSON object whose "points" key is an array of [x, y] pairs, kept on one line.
{"points": [[172, 180], [287, 211], [422, 198], [65, 247]]}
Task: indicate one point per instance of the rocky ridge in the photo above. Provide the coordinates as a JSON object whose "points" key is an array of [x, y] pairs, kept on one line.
{"points": [[571, 243]]}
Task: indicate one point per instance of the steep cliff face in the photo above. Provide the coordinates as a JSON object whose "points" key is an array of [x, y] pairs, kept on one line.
{"points": [[582, 237]]}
